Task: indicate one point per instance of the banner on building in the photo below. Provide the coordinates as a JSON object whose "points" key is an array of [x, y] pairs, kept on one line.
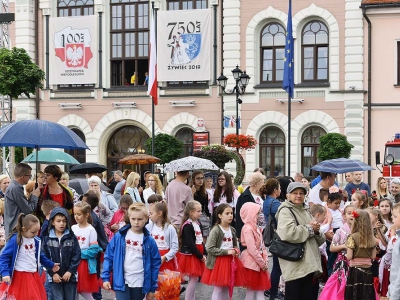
{"points": [[184, 45], [73, 50]]}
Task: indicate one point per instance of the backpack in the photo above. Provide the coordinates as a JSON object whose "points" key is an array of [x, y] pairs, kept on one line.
{"points": [[269, 230]]}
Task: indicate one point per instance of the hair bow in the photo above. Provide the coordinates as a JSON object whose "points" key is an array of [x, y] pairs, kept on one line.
{"points": [[363, 192], [333, 189], [355, 214]]}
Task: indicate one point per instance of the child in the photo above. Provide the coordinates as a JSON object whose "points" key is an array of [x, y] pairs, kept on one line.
{"points": [[318, 212], [386, 261], [323, 194], [2, 230], [154, 198], [333, 204], [47, 207], [394, 287], [360, 250], [336, 284], [19, 261], [385, 206], [61, 245], [191, 255], [359, 199], [222, 249], [254, 257], [118, 219], [133, 256], [87, 236], [381, 243], [164, 233]]}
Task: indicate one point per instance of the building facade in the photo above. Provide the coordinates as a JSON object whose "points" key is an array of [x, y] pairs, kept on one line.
{"points": [[330, 78]]}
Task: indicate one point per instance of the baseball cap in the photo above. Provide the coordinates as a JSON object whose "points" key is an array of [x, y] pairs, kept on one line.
{"points": [[295, 185]]}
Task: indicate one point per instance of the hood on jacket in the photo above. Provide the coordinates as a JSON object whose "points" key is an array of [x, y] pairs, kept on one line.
{"points": [[57, 211], [249, 212]]}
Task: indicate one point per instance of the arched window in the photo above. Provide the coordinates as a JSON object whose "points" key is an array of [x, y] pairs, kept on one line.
{"points": [[272, 151], [79, 154], [315, 52], [309, 149], [185, 135], [125, 141], [272, 52]]}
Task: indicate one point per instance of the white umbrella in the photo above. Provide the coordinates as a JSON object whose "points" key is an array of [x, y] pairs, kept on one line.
{"points": [[190, 163]]}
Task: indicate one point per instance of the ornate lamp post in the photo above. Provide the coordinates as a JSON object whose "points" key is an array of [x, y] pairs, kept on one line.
{"points": [[242, 80]]}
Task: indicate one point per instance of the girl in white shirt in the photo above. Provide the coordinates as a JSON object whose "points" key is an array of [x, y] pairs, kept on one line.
{"points": [[164, 233], [154, 186], [20, 261], [87, 236]]}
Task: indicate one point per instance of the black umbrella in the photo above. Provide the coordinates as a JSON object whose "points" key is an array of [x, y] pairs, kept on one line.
{"points": [[87, 168]]}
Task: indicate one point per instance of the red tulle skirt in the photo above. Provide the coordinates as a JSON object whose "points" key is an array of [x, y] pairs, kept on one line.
{"points": [[385, 282], [189, 264], [24, 285], [88, 283], [221, 274], [257, 281], [168, 265]]}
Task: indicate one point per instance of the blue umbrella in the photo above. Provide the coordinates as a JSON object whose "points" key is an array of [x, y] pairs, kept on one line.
{"points": [[341, 165], [40, 134]]}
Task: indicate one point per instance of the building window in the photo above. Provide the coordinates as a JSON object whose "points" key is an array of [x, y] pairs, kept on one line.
{"points": [[75, 8], [186, 5], [309, 149], [272, 43], [272, 151], [129, 42], [398, 63], [315, 52], [185, 135], [79, 154], [124, 141]]}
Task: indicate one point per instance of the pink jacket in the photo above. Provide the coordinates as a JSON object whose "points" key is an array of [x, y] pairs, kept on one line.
{"points": [[255, 256]]}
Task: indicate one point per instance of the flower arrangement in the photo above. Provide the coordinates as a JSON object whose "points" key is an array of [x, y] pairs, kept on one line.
{"points": [[218, 154], [240, 141]]}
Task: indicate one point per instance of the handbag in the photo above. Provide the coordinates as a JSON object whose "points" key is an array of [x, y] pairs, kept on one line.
{"points": [[269, 230], [285, 250]]}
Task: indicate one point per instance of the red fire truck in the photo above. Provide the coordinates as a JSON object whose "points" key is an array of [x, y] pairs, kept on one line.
{"points": [[391, 161]]}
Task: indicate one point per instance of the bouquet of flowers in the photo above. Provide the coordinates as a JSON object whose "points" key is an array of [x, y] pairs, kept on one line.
{"points": [[169, 285]]}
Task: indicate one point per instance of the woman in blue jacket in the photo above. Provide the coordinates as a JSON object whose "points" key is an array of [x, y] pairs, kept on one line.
{"points": [[133, 256]]}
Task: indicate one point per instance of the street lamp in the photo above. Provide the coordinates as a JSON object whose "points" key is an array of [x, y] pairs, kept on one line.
{"points": [[242, 80]]}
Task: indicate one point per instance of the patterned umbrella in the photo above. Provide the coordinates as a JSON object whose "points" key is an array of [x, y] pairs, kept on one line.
{"points": [[139, 159], [190, 163]]}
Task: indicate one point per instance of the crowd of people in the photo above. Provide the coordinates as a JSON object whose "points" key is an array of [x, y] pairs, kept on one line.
{"points": [[120, 235]]}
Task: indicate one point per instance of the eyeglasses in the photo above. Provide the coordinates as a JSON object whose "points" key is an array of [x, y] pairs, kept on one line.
{"points": [[221, 179], [30, 176], [200, 178]]}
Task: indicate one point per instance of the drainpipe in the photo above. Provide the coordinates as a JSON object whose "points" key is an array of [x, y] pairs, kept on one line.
{"points": [[369, 122], [222, 65], [37, 99]]}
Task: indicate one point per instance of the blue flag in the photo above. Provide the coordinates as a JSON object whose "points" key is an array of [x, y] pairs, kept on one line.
{"points": [[288, 69]]}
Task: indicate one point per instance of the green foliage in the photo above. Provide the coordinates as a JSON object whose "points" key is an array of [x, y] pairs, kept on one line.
{"points": [[334, 145], [240, 166], [18, 74], [167, 147], [218, 154], [19, 155]]}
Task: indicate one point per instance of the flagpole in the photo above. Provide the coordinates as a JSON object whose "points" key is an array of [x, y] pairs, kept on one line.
{"points": [[289, 129], [152, 98]]}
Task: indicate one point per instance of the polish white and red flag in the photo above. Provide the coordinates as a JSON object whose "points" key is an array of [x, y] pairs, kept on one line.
{"points": [[153, 85]]}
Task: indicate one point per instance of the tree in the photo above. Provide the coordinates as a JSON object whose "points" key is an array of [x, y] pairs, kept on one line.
{"points": [[18, 74], [334, 145], [167, 147]]}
